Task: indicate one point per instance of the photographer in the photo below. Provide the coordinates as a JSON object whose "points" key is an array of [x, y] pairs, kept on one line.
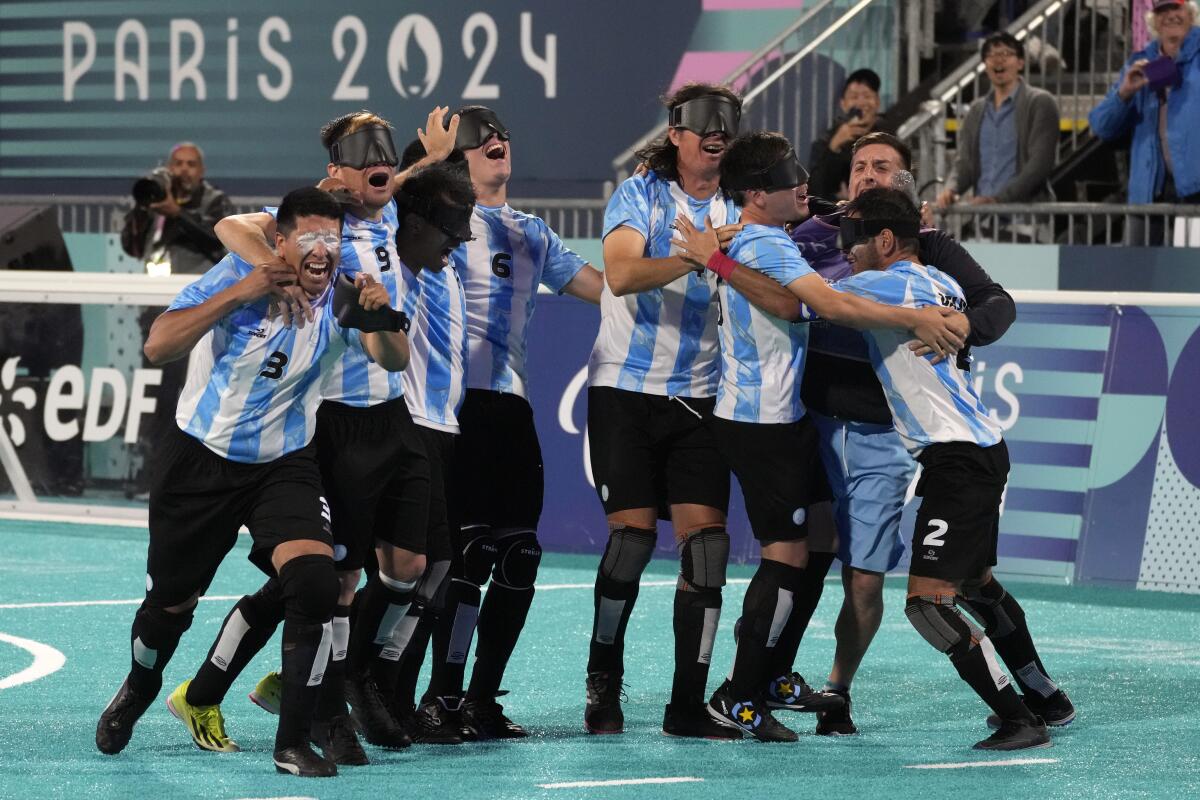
{"points": [[171, 226], [859, 115], [1155, 97]]}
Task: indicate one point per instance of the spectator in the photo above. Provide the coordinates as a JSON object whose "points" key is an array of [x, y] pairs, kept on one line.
{"points": [[177, 232], [1164, 159], [829, 160], [1007, 143]]}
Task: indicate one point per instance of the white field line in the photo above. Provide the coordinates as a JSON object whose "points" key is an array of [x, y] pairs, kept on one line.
{"points": [[622, 782], [46, 660], [1008, 762]]}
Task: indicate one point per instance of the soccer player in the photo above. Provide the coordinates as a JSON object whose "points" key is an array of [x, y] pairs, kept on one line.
{"points": [[868, 466], [759, 420], [242, 456], [964, 461], [509, 256]]}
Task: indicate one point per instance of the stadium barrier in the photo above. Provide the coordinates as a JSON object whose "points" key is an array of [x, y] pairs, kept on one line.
{"points": [[1095, 392]]}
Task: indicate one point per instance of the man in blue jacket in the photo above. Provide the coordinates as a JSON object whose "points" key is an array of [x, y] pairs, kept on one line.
{"points": [[1164, 160]]}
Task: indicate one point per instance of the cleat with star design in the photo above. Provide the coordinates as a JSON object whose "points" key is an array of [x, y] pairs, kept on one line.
{"points": [[791, 693], [749, 715]]}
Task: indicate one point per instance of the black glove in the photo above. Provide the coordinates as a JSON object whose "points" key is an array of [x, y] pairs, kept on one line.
{"points": [[352, 315]]}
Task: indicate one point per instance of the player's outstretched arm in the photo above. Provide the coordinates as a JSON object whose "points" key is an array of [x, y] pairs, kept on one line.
{"points": [[437, 139], [175, 333], [628, 271], [249, 236], [587, 285], [389, 349]]}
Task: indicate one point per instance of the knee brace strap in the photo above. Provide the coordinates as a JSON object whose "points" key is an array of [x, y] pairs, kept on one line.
{"points": [[704, 557], [310, 589], [941, 624], [627, 553], [479, 554], [518, 559], [994, 607]]}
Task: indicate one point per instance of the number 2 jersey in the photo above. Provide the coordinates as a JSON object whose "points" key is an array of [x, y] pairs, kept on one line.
{"points": [[662, 341], [253, 383], [511, 254], [930, 403]]}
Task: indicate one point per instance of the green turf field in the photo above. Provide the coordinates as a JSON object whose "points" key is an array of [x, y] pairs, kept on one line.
{"points": [[1129, 660]]}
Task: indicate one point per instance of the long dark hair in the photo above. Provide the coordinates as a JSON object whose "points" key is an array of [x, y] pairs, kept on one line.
{"points": [[662, 156]]}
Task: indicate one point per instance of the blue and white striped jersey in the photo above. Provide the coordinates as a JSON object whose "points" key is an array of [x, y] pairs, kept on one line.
{"points": [[662, 341], [930, 403], [371, 247], [435, 380], [253, 383], [762, 357], [512, 254]]}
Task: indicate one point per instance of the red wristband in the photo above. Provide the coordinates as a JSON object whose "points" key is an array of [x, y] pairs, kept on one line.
{"points": [[721, 264]]}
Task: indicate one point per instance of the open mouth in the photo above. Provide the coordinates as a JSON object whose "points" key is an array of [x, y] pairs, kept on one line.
{"points": [[714, 148], [316, 269], [496, 151], [379, 177]]}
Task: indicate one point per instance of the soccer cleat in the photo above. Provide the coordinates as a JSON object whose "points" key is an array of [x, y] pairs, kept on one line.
{"points": [[267, 692], [750, 716], [1057, 710], [791, 693], [694, 722], [115, 727], [338, 741], [603, 714], [372, 715], [485, 719], [837, 721], [204, 723], [1017, 734], [438, 721], [303, 762]]}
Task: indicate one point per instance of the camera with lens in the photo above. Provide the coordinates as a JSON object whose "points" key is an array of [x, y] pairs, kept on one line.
{"points": [[152, 188]]}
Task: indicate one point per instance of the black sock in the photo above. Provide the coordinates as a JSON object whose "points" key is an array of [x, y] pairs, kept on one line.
{"points": [[452, 639], [331, 701], [501, 619], [1003, 621], [154, 637], [697, 613], [310, 588], [972, 664], [385, 669], [380, 608], [614, 601], [413, 658], [246, 630], [808, 596], [765, 611]]}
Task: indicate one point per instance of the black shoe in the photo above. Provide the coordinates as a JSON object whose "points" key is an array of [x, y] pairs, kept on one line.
{"points": [[750, 716], [603, 714], [837, 721], [791, 693], [371, 714], [1018, 734], [692, 721], [1057, 710], [438, 721], [303, 762], [338, 741], [116, 722], [486, 720]]}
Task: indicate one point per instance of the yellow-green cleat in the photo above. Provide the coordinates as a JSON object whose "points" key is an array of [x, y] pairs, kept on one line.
{"points": [[204, 723], [267, 692]]}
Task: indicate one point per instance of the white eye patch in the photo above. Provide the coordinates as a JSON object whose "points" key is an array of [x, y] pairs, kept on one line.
{"points": [[308, 241]]}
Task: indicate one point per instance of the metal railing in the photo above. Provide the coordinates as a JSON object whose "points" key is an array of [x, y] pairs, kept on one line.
{"points": [[569, 218], [1149, 225], [792, 83], [1074, 49]]}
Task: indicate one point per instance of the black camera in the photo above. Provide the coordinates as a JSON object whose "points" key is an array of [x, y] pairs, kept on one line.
{"points": [[152, 188]]}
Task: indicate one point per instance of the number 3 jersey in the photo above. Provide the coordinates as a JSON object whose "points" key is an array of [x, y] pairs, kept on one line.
{"points": [[511, 254], [253, 383]]}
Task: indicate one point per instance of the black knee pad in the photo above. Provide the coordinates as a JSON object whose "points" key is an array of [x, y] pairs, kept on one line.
{"points": [[994, 607], [518, 560], [627, 553], [941, 624], [704, 557], [310, 588], [479, 554]]}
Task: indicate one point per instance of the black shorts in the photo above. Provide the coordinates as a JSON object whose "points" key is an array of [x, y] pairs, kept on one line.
{"points": [[958, 523], [376, 478], [650, 451], [199, 501], [498, 463], [443, 516], [779, 469]]}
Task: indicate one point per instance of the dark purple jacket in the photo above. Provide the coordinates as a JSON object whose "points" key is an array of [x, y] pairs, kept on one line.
{"points": [[838, 378]]}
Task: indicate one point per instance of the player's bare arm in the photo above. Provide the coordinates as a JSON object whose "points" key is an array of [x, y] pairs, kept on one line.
{"points": [[587, 285], [628, 271]]}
